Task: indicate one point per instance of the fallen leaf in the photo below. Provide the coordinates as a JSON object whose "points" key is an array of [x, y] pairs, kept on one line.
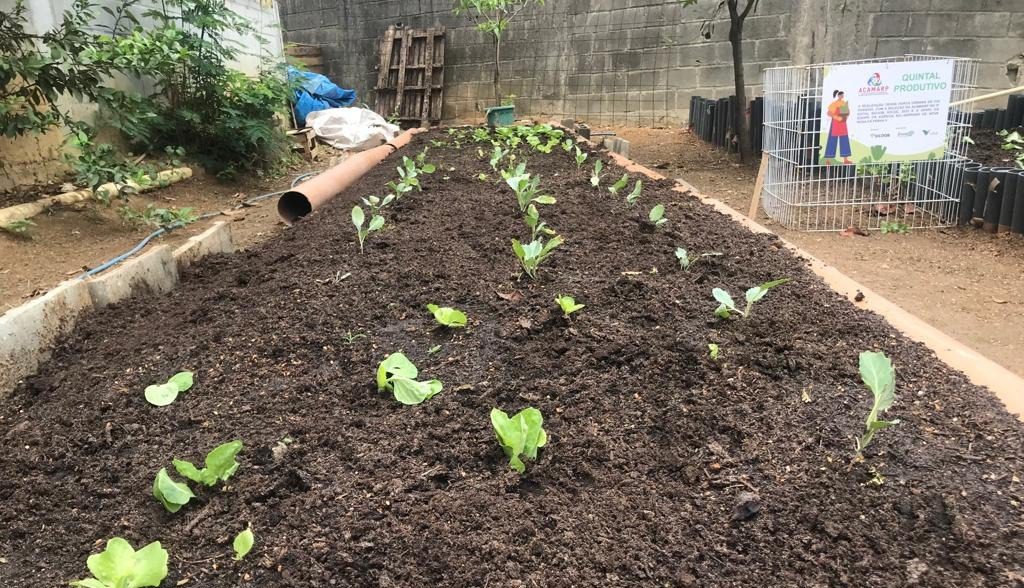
{"points": [[513, 296], [851, 231]]}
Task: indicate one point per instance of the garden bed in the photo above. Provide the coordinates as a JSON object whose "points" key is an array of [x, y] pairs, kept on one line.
{"points": [[651, 441], [988, 148]]}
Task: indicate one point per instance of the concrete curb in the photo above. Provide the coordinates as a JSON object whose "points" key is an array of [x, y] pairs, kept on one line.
{"points": [[28, 332], [1006, 385]]}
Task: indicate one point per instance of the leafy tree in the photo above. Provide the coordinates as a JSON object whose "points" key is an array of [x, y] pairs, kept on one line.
{"points": [[493, 17], [738, 10]]}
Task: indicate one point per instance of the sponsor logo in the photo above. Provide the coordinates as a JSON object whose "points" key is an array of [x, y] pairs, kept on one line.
{"points": [[875, 80], [874, 86], [880, 135], [906, 134]]}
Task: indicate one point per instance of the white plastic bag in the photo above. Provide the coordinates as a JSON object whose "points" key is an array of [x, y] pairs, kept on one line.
{"points": [[351, 128]]}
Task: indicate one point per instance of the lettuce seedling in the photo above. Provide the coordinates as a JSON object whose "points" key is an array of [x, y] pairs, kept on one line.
{"points": [[164, 394], [527, 188], [359, 218], [568, 305], [532, 254], [243, 543], [595, 178], [497, 156], [713, 351], [397, 374], [220, 465], [633, 197], [173, 495], [657, 215], [727, 307], [622, 183], [685, 261], [568, 144], [520, 436], [537, 227], [376, 203], [880, 377], [448, 317], [120, 566], [581, 157]]}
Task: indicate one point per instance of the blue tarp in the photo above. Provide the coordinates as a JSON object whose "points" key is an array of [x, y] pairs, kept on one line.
{"points": [[316, 92]]}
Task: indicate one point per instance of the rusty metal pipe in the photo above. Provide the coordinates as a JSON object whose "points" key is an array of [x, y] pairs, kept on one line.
{"points": [[314, 193]]}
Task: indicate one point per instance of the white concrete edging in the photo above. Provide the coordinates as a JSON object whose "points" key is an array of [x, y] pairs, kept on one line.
{"points": [[28, 332]]}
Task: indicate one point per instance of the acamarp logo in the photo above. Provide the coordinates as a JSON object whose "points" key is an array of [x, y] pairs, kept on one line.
{"points": [[874, 86], [875, 80]]}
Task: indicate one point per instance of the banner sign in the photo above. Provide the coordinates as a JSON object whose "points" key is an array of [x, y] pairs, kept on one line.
{"points": [[884, 112]]}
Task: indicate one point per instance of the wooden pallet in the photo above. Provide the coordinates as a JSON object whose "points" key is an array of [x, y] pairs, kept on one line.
{"points": [[410, 78]]}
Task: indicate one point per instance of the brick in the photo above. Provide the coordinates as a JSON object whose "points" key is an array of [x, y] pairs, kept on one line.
{"points": [[905, 5], [983, 24], [889, 25]]}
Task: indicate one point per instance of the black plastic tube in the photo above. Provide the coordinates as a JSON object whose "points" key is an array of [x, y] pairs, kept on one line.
{"points": [[1017, 224], [1008, 202], [1014, 110], [966, 210], [976, 119], [988, 118], [981, 192], [1000, 123], [994, 199]]}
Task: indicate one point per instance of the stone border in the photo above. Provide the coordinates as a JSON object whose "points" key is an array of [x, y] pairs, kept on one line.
{"points": [[28, 332], [1006, 385]]}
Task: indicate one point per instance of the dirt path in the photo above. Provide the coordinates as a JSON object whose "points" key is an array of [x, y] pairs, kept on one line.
{"points": [[664, 466], [967, 283], [69, 240]]}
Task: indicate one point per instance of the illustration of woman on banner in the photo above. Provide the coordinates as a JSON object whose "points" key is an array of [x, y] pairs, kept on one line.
{"points": [[838, 134]]}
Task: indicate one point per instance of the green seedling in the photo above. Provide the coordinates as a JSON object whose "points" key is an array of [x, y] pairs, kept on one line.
{"points": [[220, 465], [657, 215], [243, 543], [164, 394], [713, 351], [537, 227], [359, 219], [895, 227], [448, 317], [685, 261], [120, 566], [633, 197], [1013, 142], [567, 145], [351, 338], [173, 495], [581, 157], [483, 177], [880, 377], [727, 307], [619, 185], [568, 305], [527, 188], [376, 203], [433, 350], [496, 157], [532, 254], [595, 178], [397, 374], [520, 436], [399, 189], [18, 228], [481, 135]]}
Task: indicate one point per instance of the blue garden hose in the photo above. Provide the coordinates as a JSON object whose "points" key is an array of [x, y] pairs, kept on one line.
{"points": [[175, 225]]}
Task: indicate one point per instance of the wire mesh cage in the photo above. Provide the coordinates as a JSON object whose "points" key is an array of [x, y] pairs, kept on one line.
{"points": [[804, 192]]}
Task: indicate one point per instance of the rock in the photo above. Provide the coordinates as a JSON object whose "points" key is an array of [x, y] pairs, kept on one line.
{"points": [[748, 504]]}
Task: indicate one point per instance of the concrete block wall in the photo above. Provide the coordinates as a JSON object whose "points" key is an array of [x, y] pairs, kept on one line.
{"points": [[609, 61]]}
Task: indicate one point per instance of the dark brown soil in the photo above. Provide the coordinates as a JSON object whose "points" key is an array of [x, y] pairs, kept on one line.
{"points": [[23, 194], [653, 446], [987, 148]]}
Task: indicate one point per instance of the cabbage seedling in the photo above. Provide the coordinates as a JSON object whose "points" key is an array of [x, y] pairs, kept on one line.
{"points": [[520, 436], [568, 305], [164, 394], [220, 465], [622, 183], [685, 261], [657, 215], [120, 566], [567, 145], [399, 189], [727, 307], [526, 188], [397, 374], [879, 376], [713, 351], [376, 203], [581, 157], [359, 218], [446, 316], [595, 178], [532, 254], [496, 157], [243, 543], [173, 495], [537, 226], [633, 197]]}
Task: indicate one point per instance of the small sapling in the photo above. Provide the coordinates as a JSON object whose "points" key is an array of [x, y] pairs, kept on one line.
{"points": [[727, 307], [220, 465], [243, 543], [633, 197], [595, 178], [685, 261], [880, 377], [657, 215], [120, 566], [568, 305], [520, 436], [532, 254], [447, 316], [173, 495], [164, 394], [397, 374], [359, 219]]}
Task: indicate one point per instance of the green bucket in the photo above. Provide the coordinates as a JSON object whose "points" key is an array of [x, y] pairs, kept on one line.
{"points": [[501, 116]]}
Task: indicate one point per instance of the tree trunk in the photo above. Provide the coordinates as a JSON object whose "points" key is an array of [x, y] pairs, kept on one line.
{"points": [[497, 70], [740, 125]]}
